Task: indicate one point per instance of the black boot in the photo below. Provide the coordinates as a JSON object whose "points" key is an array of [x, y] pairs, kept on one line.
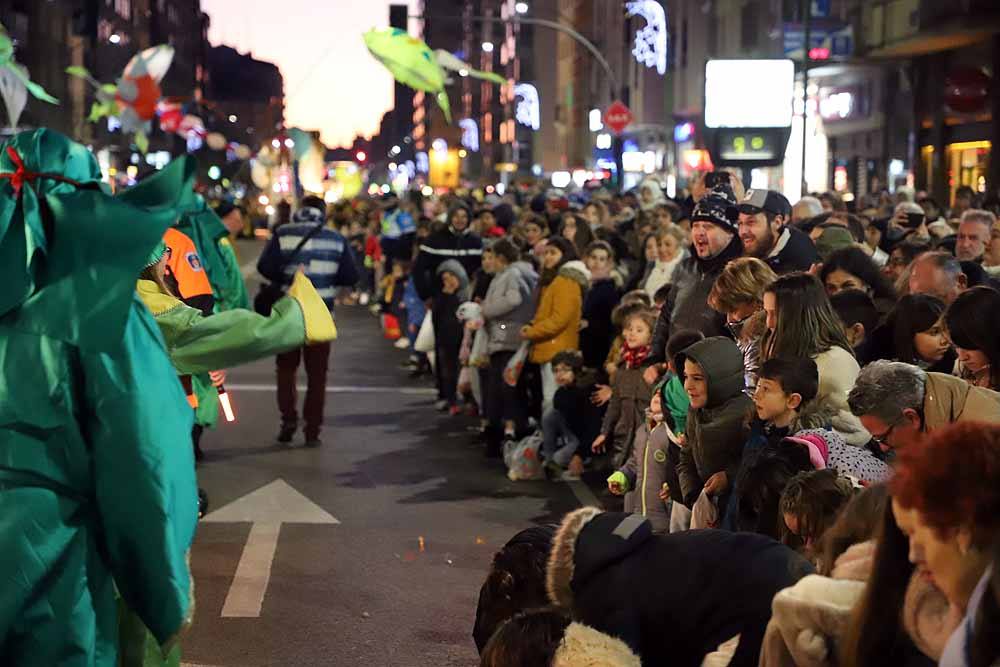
{"points": [[202, 503], [196, 432], [494, 442]]}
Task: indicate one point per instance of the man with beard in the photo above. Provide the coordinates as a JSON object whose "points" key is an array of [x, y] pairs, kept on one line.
{"points": [[766, 234], [714, 242]]}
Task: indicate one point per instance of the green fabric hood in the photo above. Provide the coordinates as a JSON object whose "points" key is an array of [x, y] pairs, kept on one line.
{"points": [[70, 252]]}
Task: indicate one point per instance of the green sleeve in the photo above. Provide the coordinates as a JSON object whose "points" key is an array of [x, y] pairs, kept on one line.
{"points": [[144, 483], [198, 344], [207, 412], [232, 291]]}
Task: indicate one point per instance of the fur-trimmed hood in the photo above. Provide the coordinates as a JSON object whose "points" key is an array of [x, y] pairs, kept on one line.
{"points": [[583, 646], [559, 578], [609, 536], [578, 272]]}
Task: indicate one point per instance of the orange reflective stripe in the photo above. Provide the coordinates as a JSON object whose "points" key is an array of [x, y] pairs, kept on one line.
{"points": [[185, 265]]}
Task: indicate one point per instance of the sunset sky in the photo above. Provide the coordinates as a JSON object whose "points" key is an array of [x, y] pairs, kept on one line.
{"points": [[331, 82]]}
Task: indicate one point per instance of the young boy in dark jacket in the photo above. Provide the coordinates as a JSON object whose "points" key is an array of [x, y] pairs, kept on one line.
{"points": [[716, 424], [573, 420]]}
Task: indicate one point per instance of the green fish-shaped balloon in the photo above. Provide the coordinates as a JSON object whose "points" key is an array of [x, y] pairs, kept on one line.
{"points": [[413, 64]]}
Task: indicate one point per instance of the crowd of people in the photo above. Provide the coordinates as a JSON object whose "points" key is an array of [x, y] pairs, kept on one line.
{"points": [[797, 405], [813, 386]]}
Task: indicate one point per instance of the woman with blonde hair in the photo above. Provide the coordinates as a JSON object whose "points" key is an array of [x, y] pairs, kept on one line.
{"points": [[738, 293]]}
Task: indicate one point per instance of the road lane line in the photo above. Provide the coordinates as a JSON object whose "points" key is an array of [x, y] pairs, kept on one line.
{"points": [[341, 389], [248, 269], [246, 595], [584, 494]]}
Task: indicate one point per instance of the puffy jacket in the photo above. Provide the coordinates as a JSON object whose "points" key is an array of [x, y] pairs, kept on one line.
{"points": [[630, 396], [672, 598], [838, 371], [556, 325], [509, 305], [717, 432], [647, 470], [687, 303]]}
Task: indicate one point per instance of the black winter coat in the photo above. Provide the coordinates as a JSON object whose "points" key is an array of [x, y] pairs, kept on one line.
{"points": [[687, 304], [596, 337], [672, 598], [797, 252], [583, 417], [465, 247]]}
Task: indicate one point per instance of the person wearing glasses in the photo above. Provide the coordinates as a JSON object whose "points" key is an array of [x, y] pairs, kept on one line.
{"points": [[897, 402]]}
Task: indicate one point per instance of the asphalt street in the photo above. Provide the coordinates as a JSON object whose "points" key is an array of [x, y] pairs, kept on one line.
{"points": [[420, 513]]}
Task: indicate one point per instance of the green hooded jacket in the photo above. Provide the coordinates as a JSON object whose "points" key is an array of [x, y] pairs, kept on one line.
{"points": [[95, 491]]}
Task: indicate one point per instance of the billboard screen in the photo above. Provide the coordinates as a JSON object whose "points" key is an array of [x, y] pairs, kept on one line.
{"points": [[749, 93]]}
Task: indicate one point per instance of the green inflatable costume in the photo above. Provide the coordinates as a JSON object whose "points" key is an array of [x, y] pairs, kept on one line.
{"points": [[96, 489]]}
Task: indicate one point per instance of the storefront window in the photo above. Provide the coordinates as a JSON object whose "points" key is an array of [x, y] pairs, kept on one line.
{"points": [[967, 165]]}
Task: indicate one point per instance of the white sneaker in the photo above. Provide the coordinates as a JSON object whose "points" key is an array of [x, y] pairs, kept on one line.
{"points": [[402, 344], [441, 405]]}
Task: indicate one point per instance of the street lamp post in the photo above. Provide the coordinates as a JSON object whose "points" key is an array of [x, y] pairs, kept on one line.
{"points": [[568, 30]]}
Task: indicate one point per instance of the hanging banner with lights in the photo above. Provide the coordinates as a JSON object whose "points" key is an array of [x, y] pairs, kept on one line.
{"points": [[470, 134], [651, 40], [528, 110]]}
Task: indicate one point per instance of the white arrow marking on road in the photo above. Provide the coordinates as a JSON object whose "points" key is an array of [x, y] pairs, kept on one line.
{"points": [[266, 508]]}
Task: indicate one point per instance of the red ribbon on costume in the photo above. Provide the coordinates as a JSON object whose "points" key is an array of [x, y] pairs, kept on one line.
{"points": [[23, 175]]}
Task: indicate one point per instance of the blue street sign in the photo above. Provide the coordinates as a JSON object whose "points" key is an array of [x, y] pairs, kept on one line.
{"points": [[832, 41]]}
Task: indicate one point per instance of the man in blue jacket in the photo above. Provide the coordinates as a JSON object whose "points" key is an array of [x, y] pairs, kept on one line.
{"points": [[326, 261]]}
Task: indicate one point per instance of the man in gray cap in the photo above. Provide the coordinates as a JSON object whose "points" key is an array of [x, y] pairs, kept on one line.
{"points": [[766, 234]]}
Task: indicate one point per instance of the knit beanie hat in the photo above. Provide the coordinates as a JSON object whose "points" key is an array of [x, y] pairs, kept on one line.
{"points": [[718, 209], [308, 214]]}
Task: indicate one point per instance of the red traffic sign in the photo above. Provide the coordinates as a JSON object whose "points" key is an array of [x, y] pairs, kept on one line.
{"points": [[617, 117]]}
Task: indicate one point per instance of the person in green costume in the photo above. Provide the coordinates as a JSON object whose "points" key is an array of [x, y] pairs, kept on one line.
{"points": [[211, 239], [197, 343], [95, 493]]}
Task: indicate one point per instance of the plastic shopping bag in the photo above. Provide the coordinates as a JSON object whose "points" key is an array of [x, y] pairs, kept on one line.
{"points": [[425, 337], [512, 372], [523, 459]]}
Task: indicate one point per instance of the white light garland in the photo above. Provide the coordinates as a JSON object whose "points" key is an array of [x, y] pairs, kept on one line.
{"points": [[470, 134], [528, 110], [651, 40]]}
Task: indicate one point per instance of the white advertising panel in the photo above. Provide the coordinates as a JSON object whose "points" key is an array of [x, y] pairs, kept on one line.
{"points": [[749, 93]]}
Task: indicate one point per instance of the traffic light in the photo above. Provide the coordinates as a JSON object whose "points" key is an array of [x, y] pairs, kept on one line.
{"points": [[361, 156]]}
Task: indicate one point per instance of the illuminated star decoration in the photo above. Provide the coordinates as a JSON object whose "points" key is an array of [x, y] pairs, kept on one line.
{"points": [[528, 110], [470, 134], [650, 41]]}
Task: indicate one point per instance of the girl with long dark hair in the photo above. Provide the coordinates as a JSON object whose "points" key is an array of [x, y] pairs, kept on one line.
{"points": [[972, 320], [853, 268], [556, 325], [802, 323], [918, 334]]}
